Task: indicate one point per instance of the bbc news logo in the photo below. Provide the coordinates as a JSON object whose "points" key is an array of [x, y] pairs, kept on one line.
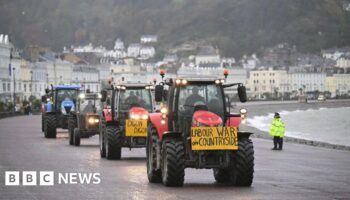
{"points": [[47, 178]]}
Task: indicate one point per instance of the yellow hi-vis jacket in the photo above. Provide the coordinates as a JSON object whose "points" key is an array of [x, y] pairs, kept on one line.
{"points": [[277, 128]]}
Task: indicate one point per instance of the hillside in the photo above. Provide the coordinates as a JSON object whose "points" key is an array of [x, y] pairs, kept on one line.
{"points": [[236, 26]]}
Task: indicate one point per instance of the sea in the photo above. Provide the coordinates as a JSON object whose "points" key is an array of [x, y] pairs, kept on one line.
{"points": [[331, 125]]}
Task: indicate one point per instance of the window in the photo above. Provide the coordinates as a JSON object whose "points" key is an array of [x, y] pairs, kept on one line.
{"points": [[25, 87], [8, 87], [4, 87]]}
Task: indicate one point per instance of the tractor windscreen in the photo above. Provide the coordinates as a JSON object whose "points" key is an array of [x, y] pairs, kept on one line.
{"points": [[135, 97], [90, 105], [67, 94], [200, 96]]}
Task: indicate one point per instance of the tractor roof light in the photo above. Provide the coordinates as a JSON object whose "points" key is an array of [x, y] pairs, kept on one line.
{"points": [[217, 81], [162, 73], [184, 82], [82, 96], [226, 72], [178, 81]]}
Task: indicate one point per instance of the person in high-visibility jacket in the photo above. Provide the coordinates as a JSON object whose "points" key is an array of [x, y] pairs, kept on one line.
{"points": [[277, 132]]}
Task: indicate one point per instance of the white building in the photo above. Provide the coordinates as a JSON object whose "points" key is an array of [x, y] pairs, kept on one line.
{"points": [[267, 81], [134, 50], [119, 45], [308, 82], [207, 54], [343, 61], [332, 54], [149, 38], [87, 76], [147, 52], [5, 78], [250, 62]]}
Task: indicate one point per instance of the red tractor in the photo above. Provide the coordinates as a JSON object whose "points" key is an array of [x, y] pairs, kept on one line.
{"points": [[195, 129], [124, 118]]}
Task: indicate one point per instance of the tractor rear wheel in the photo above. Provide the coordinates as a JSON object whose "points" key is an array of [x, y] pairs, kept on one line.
{"points": [[154, 175], [173, 162], [50, 126], [112, 143], [243, 170], [72, 123], [76, 137], [102, 143]]}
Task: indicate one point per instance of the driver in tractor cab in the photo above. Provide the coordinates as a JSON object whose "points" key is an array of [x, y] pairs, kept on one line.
{"points": [[89, 107], [194, 98], [132, 98]]}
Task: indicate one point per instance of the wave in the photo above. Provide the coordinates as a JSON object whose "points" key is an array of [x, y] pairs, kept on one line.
{"points": [[323, 124], [263, 122]]}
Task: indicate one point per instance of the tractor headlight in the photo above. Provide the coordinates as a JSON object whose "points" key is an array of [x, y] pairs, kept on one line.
{"points": [[135, 116], [144, 117], [93, 120], [243, 111], [164, 110], [82, 96]]}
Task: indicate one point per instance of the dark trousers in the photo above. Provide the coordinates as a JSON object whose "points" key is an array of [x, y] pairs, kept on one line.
{"points": [[277, 141]]}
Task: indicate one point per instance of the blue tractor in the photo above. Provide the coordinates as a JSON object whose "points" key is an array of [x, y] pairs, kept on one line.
{"points": [[57, 104]]}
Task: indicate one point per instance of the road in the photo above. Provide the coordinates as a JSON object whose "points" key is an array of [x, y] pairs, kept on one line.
{"points": [[297, 172]]}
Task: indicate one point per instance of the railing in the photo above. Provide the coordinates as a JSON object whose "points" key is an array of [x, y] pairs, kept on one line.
{"points": [[13, 114], [9, 114]]}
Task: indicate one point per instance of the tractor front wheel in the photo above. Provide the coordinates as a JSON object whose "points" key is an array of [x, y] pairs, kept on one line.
{"points": [[112, 143], [72, 123], [76, 137], [50, 126], [154, 175], [173, 162], [243, 169], [102, 143]]}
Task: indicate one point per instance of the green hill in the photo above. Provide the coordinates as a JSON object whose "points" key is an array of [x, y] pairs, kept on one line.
{"points": [[236, 26]]}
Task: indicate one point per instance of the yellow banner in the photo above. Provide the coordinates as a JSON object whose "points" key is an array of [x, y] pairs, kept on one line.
{"points": [[214, 138], [136, 128]]}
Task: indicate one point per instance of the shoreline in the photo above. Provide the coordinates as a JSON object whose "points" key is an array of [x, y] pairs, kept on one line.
{"points": [[264, 108]]}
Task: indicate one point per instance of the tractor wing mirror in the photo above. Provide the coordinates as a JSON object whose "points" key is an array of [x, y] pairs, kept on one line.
{"points": [[159, 93], [43, 99], [242, 94], [103, 95], [47, 90]]}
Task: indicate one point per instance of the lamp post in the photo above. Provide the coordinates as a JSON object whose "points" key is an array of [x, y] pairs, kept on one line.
{"points": [[14, 89], [31, 83], [47, 80]]}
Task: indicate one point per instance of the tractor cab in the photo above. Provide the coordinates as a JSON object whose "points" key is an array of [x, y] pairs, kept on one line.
{"points": [[195, 128]]}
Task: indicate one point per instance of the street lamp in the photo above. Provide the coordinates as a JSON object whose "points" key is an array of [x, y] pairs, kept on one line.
{"points": [[14, 88]]}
